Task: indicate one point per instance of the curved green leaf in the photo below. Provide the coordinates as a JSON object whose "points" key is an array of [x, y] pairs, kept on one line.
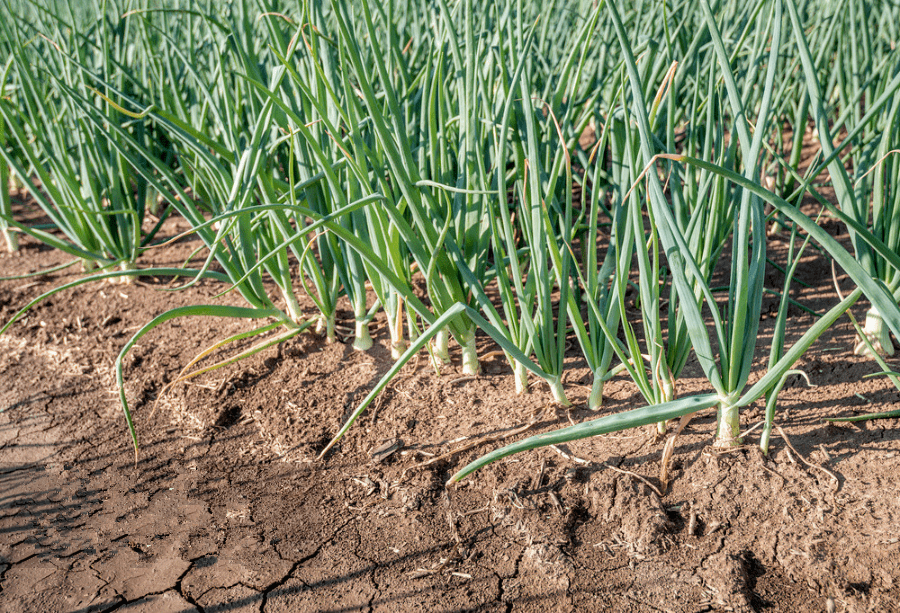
{"points": [[604, 425], [206, 310]]}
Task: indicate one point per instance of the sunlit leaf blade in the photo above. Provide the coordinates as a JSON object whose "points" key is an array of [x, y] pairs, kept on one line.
{"points": [[604, 425]]}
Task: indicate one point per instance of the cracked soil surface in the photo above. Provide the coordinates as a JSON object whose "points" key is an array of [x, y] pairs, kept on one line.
{"points": [[227, 509]]}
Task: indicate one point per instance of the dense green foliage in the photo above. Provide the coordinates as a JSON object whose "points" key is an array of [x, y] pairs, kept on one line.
{"points": [[333, 148]]}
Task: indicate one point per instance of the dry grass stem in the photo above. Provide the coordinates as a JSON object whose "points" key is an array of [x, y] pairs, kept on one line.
{"points": [[803, 460]]}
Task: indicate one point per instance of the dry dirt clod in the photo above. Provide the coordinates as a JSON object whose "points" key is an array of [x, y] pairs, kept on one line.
{"points": [[726, 574]]}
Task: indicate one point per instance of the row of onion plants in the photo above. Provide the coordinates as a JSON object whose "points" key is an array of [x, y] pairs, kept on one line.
{"points": [[358, 151]]}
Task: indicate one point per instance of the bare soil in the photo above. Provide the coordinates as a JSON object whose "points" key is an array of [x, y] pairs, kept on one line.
{"points": [[227, 508]]}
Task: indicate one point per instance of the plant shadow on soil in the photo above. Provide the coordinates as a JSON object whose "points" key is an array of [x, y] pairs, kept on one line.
{"points": [[227, 509]]}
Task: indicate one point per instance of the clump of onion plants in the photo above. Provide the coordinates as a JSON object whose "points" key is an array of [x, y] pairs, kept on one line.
{"points": [[867, 90], [734, 325], [64, 157]]}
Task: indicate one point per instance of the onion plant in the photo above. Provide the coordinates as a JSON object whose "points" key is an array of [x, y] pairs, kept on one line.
{"points": [[536, 269], [600, 287], [655, 365], [329, 107]]}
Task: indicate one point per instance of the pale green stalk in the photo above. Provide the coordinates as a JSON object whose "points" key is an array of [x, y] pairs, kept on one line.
{"points": [[10, 237]]}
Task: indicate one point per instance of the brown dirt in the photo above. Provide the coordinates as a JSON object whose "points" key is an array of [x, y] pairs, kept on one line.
{"points": [[227, 509]]}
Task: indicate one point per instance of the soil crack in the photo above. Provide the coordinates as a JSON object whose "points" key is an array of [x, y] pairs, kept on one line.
{"points": [[299, 563], [180, 588], [277, 584]]}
